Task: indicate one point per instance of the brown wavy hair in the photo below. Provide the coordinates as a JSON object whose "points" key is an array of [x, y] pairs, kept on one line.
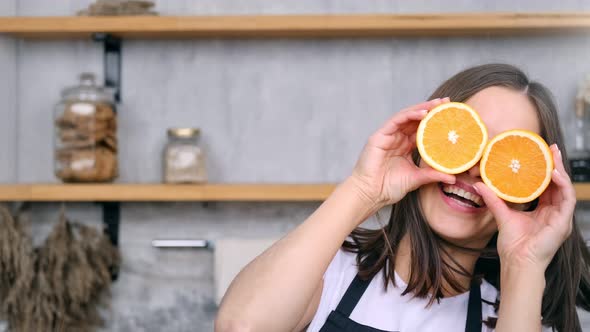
{"points": [[567, 276]]}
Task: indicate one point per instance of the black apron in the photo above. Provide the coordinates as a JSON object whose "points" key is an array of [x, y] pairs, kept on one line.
{"points": [[339, 319]]}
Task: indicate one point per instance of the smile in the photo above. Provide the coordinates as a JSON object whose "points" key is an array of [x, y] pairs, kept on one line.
{"points": [[462, 195]]}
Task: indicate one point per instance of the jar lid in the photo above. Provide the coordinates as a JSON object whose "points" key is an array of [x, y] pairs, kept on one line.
{"points": [[88, 91], [184, 132]]}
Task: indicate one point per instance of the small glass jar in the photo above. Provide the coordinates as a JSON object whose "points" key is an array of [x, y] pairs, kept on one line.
{"points": [[86, 133], [184, 160], [579, 154]]}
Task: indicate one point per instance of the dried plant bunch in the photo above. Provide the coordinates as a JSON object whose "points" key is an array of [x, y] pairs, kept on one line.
{"points": [[60, 286]]}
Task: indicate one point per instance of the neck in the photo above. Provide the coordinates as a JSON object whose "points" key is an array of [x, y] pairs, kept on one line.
{"points": [[465, 259]]}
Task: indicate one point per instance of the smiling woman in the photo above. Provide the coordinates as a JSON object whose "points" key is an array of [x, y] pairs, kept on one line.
{"points": [[451, 248]]}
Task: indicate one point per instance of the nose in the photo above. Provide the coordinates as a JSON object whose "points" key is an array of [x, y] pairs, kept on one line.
{"points": [[474, 171]]}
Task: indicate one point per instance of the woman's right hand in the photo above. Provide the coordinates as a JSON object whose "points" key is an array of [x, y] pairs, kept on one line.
{"points": [[385, 172]]}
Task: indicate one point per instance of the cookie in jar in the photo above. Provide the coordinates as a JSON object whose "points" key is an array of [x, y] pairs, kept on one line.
{"points": [[86, 133]]}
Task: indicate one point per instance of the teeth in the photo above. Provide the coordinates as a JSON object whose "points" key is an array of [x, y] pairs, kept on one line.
{"points": [[462, 193]]}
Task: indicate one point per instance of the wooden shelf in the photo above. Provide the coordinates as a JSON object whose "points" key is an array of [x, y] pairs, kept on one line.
{"points": [[582, 191], [174, 193], [296, 26], [164, 192]]}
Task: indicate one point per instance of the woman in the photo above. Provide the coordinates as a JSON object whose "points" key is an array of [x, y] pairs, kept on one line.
{"points": [[453, 256]]}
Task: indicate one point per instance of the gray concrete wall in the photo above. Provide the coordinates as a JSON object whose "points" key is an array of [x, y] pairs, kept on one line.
{"points": [[8, 106], [271, 111], [190, 7]]}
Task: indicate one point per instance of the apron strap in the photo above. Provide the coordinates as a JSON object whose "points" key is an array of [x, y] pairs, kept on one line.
{"points": [[352, 296], [474, 319]]}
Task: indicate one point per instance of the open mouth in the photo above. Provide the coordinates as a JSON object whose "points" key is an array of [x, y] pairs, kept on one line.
{"points": [[462, 196]]}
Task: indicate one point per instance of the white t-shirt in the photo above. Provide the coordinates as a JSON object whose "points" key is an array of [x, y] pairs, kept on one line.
{"points": [[389, 310]]}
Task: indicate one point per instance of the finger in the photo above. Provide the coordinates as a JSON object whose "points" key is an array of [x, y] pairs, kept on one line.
{"points": [[410, 128], [566, 191], [400, 143], [495, 204], [427, 105], [412, 138], [548, 197], [561, 179], [552, 194], [402, 119], [564, 208], [426, 175], [558, 160], [416, 112]]}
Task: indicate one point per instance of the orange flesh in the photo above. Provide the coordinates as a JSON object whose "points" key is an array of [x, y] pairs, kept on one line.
{"points": [[440, 148], [532, 163]]}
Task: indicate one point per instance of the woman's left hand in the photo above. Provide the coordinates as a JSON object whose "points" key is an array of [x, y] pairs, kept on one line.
{"points": [[531, 239]]}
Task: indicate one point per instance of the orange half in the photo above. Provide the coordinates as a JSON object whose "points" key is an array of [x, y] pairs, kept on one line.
{"points": [[517, 165], [451, 138]]}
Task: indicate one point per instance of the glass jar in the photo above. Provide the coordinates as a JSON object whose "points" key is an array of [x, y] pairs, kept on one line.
{"points": [[184, 160], [579, 155], [86, 133]]}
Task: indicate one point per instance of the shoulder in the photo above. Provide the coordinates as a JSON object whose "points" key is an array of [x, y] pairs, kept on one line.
{"points": [[343, 261], [339, 274], [337, 277]]}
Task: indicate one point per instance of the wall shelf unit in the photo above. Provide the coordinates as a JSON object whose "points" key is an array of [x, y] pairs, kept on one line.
{"points": [[112, 31], [297, 26]]}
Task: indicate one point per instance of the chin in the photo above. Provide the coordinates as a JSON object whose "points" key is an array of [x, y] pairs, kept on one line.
{"points": [[461, 234]]}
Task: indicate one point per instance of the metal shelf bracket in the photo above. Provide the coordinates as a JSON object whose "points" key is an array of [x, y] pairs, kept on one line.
{"points": [[111, 216], [112, 61]]}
